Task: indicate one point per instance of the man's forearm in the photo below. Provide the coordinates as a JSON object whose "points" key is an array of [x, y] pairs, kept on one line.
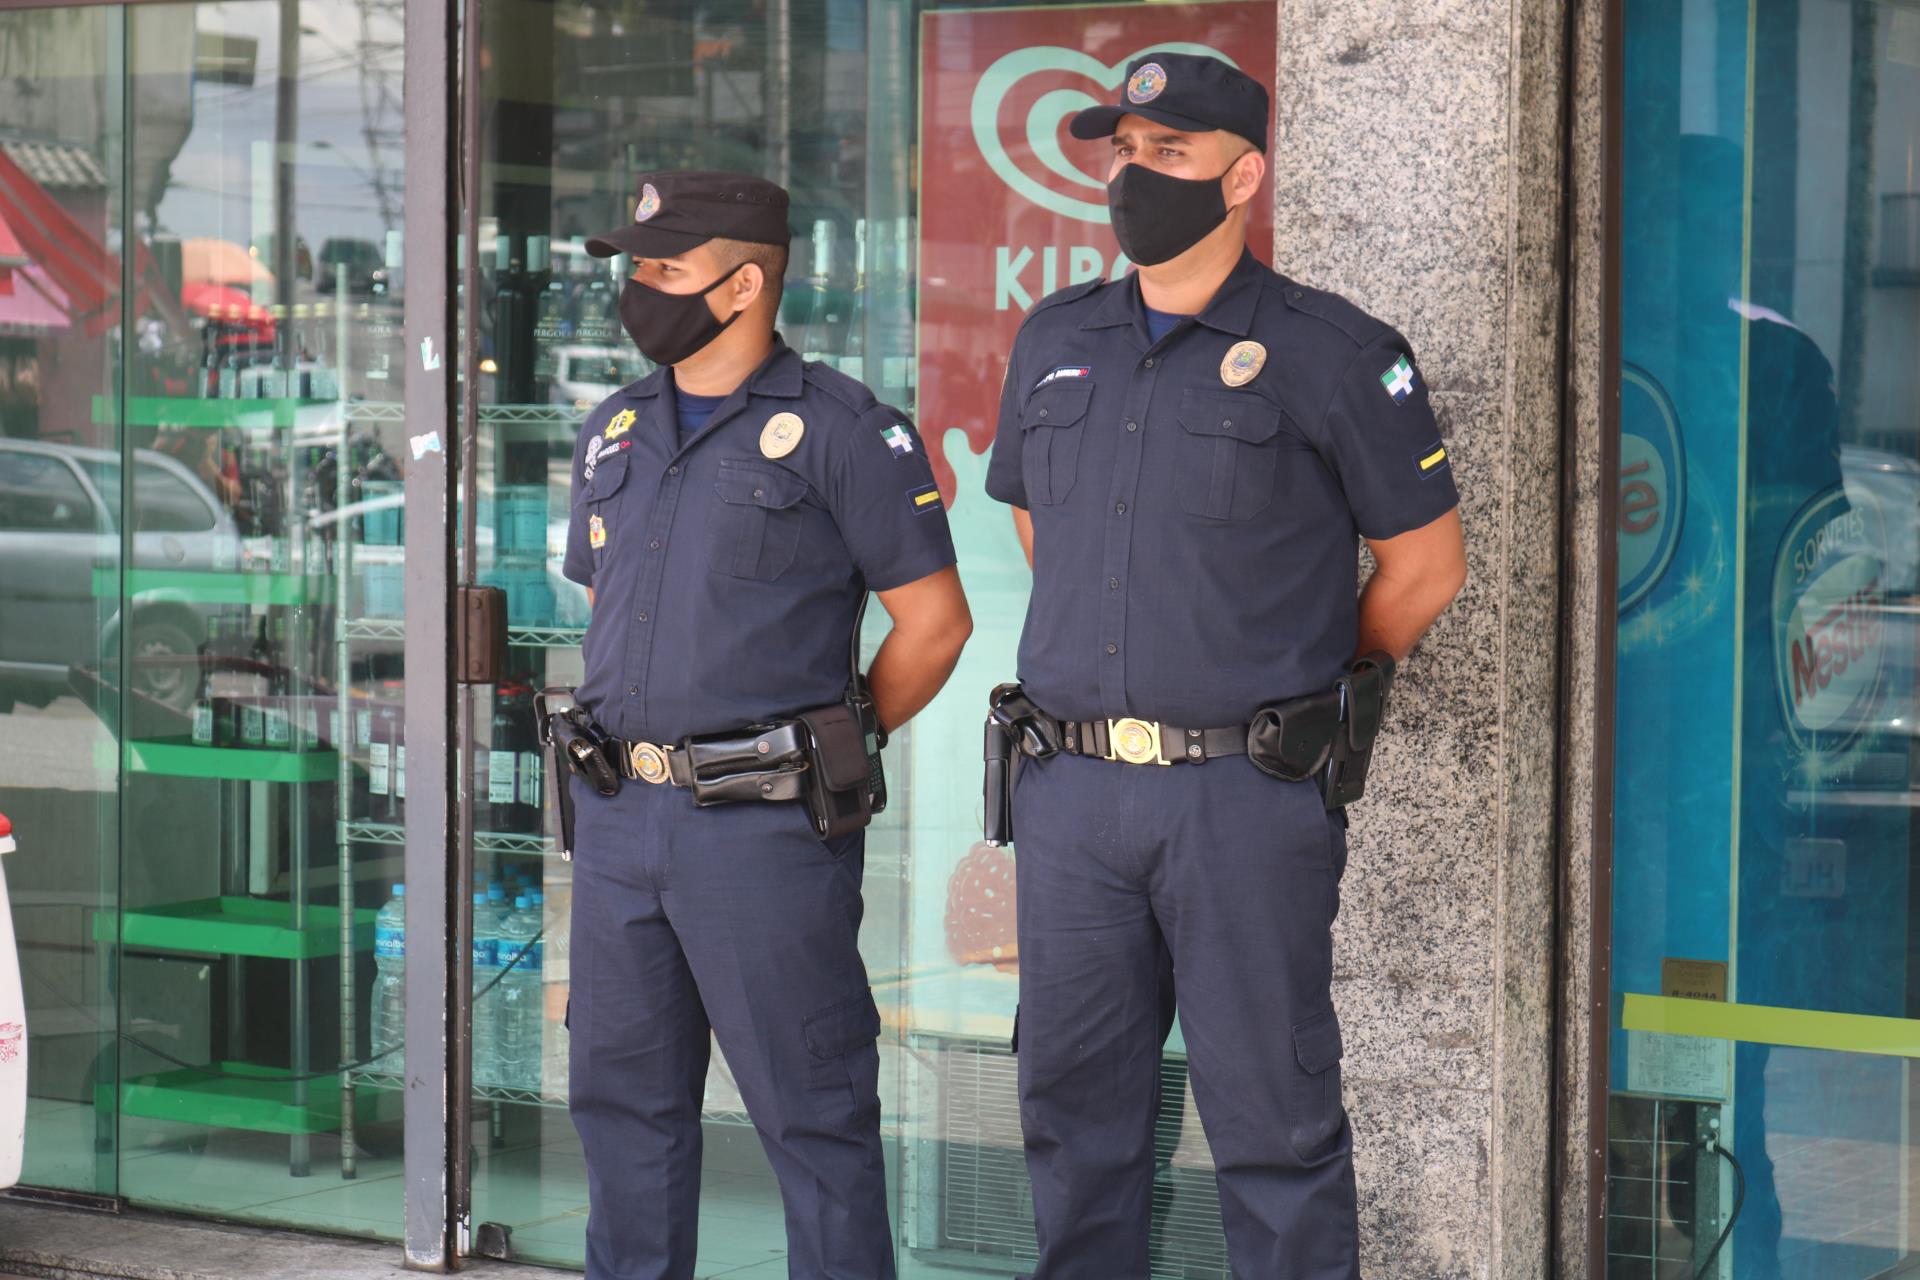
{"points": [[1395, 613], [909, 670]]}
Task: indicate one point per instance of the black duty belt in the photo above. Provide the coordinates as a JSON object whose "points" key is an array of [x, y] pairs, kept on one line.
{"points": [[1136, 741], [761, 762]]}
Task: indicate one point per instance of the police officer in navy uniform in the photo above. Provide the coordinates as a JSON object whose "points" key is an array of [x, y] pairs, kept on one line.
{"points": [[731, 511], [1191, 452]]}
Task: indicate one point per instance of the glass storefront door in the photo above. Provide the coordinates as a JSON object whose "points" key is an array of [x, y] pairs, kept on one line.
{"points": [[936, 197], [199, 505], [1766, 936]]}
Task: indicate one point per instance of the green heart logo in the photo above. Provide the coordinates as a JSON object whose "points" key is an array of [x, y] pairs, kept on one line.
{"points": [[1043, 119]]}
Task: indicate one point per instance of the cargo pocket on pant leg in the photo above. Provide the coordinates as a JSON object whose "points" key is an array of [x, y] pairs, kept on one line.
{"points": [[845, 1075], [1318, 1115]]}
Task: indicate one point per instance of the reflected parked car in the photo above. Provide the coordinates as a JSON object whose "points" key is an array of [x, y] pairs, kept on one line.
{"points": [[59, 508]]}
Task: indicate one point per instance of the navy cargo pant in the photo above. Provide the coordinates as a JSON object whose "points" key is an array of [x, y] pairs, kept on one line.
{"points": [[739, 920], [1235, 876]]}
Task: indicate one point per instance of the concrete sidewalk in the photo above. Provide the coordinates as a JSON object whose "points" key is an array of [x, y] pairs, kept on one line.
{"points": [[47, 1242]]}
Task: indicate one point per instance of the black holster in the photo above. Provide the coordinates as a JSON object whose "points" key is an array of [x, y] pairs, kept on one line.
{"points": [[1328, 735], [575, 745], [1015, 728]]}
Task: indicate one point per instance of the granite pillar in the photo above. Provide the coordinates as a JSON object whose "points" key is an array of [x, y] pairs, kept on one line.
{"points": [[1420, 169]]}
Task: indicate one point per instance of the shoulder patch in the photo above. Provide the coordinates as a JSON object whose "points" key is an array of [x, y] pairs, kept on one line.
{"points": [[1333, 310]]}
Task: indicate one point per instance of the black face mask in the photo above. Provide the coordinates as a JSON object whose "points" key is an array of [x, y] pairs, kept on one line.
{"points": [[1157, 217], [669, 327]]}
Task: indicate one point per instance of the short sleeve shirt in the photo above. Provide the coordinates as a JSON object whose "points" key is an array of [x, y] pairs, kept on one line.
{"points": [[728, 572], [1196, 500]]}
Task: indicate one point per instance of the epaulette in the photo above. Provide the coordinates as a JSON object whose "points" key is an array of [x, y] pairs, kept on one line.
{"points": [[851, 392], [1060, 297], [1334, 310]]}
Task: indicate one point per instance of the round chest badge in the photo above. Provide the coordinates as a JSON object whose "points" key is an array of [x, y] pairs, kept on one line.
{"points": [[649, 203], [1146, 83], [1242, 363], [781, 435]]}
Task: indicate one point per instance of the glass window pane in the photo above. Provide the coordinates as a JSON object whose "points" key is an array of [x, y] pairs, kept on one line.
{"points": [[1766, 911], [62, 613]]}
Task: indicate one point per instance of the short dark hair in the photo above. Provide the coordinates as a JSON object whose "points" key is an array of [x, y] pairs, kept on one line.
{"points": [[770, 258]]}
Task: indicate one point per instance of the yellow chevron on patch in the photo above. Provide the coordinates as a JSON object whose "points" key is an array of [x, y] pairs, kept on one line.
{"points": [[923, 499], [1433, 459]]}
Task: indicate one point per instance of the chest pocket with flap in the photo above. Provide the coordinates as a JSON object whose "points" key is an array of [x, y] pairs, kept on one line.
{"points": [[757, 520], [1051, 426], [1226, 454]]}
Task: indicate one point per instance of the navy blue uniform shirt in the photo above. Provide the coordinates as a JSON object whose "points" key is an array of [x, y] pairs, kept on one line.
{"points": [[726, 582], [1195, 500]]}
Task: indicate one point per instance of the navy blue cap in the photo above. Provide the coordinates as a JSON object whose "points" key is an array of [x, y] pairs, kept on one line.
{"points": [[675, 210], [1188, 91]]}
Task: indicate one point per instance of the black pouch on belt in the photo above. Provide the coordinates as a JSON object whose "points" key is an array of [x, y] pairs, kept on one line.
{"points": [[759, 762], [1293, 740], [1364, 690], [844, 783]]}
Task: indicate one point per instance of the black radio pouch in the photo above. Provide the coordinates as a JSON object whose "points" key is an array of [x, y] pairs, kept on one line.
{"points": [[845, 785]]}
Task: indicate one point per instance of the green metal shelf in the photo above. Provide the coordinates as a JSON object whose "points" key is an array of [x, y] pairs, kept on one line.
{"points": [[227, 586], [483, 841], [179, 758], [244, 1096], [188, 411], [230, 926], [393, 629], [532, 1097]]}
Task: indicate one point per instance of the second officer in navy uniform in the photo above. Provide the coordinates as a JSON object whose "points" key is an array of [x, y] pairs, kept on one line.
{"points": [[1192, 452], [731, 511]]}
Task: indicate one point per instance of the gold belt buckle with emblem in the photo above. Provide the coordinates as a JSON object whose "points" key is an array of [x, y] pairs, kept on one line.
{"points": [[1134, 741], [649, 762]]}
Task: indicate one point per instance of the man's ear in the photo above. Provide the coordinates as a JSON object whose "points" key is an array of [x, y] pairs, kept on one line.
{"points": [[748, 283], [1243, 178]]}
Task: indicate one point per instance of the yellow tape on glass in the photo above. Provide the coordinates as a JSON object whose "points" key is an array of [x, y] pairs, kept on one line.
{"points": [[1765, 1024]]}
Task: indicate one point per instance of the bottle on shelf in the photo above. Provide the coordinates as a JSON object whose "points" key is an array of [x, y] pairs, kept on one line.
{"points": [[502, 759], [384, 755], [388, 1003], [253, 712], [277, 709], [208, 720], [486, 996], [522, 998]]}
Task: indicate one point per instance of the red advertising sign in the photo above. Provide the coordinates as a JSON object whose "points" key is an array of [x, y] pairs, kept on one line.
{"points": [[1012, 207]]}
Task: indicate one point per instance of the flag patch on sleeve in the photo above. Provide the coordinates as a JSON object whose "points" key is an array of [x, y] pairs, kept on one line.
{"points": [[924, 498], [1400, 380], [898, 440], [1431, 460], [1065, 371]]}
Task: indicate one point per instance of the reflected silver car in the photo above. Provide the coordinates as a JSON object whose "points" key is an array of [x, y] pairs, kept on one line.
{"points": [[59, 521]]}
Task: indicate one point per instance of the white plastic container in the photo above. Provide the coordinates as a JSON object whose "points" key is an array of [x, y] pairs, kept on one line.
{"points": [[13, 1034]]}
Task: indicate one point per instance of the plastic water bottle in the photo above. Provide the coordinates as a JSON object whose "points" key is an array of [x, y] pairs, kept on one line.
{"points": [[388, 1006], [486, 1004], [523, 999]]}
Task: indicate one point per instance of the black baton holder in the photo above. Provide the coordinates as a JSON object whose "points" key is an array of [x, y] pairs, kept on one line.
{"points": [[1363, 701], [1015, 728], [998, 755]]}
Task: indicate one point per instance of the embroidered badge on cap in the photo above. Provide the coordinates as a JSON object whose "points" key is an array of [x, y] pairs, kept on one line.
{"points": [[1146, 83], [924, 498], [596, 532], [621, 422], [1065, 371], [781, 435], [1400, 380], [649, 203], [1242, 363], [898, 440], [1431, 460]]}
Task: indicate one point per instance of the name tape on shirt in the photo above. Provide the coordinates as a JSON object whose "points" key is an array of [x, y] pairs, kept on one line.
{"points": [[1065, 371], [898, 440], [1400, 380], [1431, 460], [924, 498]]}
